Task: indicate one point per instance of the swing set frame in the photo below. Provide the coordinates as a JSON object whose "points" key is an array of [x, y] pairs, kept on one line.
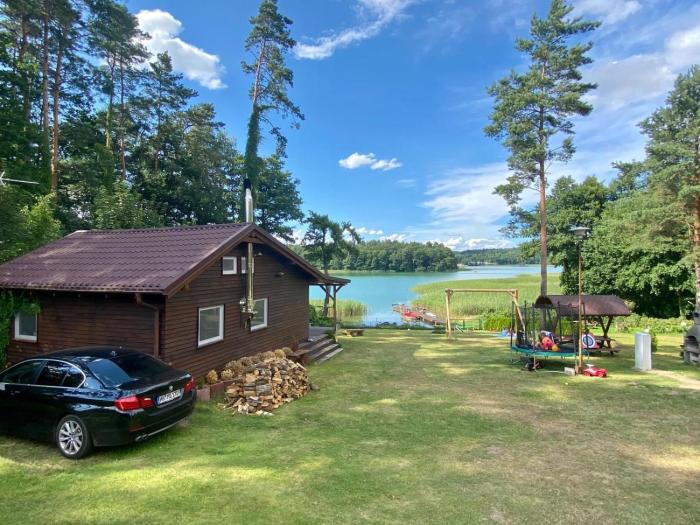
{"points": [[449, 292]]}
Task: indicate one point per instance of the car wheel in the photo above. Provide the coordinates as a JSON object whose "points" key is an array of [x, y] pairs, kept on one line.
{"points": [[73, 438]]}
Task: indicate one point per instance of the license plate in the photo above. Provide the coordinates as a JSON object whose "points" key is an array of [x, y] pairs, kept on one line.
{"points": [[170, 396]]}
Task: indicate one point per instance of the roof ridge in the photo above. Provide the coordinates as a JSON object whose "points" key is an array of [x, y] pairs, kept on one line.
{"points": [[224, 225]]}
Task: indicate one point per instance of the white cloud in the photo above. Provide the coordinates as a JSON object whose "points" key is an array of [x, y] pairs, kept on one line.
{"points": [[406, 183], [193, 62], [359, 160], [459, 243], [683, 48], [630, 80], [386, 165], [610, 11], [374, 16], [398, 237], [368, 231], [465, 196]]}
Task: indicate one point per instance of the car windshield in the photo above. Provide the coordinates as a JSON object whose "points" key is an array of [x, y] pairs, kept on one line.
{"points": [[125, 368]]}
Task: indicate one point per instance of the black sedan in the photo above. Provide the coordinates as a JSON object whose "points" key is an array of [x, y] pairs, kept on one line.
{"points": [[97, 396]]}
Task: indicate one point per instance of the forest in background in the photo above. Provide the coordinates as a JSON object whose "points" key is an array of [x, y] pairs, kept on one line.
{"points": [[109, 134], [393, 256], [496, 256]]}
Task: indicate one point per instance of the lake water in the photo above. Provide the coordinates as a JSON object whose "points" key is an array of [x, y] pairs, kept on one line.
{"points": [[380, 290]]}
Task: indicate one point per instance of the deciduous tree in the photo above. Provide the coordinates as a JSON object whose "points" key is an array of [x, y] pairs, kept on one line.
{"points": [[673, 158]]}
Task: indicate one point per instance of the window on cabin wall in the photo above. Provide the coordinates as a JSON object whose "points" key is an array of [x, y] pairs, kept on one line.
{"points": [[229, 265], [259, 320], [26, 327], [211, 325]]}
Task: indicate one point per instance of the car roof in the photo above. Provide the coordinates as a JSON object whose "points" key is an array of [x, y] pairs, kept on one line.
{"points": [[91, 352]]}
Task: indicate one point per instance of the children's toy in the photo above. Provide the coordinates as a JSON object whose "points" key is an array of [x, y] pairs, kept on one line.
{"points": [[588, 341], [594, 371]]}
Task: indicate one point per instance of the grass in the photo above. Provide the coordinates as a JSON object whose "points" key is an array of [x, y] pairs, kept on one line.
{"points": [[432, 295], [407, 428]]}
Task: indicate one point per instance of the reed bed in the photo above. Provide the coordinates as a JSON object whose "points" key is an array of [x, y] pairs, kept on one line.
{"points": [[432, 295], [348, 309]]}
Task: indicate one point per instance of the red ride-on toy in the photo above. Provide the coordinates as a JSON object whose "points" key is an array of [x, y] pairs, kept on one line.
{"points": [[594, 371]]}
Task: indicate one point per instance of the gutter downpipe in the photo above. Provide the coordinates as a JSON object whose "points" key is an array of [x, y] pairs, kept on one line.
{"points": [[156, 323]]}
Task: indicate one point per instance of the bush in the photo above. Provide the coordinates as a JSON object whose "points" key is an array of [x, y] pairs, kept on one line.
{"points": [[497, 322], [637, 322]]}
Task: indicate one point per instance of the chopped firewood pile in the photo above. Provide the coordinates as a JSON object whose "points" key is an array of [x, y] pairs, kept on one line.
{"points": [[263, 382]]}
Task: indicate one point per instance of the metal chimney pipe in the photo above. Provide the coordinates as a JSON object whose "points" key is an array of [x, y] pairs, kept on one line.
{"points": [[249, 217]]}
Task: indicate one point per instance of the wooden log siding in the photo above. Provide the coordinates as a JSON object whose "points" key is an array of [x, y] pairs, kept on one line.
{"points": [[71, 320], [288, 313]]}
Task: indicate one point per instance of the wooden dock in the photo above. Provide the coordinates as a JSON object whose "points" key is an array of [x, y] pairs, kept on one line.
{"points": [[418, 313]]}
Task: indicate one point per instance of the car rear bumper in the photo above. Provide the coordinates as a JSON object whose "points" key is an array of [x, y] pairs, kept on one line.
{"points": [[121, 428]]}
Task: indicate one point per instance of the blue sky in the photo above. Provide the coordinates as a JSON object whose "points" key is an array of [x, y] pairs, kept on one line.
{"points": [[394, 93]]}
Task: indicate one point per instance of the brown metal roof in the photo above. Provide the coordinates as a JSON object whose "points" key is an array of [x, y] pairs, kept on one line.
{"points": [[594, 305], [155, 260]]}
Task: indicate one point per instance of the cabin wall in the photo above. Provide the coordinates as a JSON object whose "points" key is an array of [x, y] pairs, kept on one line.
{"points": [[288, 313], [70, 320]]}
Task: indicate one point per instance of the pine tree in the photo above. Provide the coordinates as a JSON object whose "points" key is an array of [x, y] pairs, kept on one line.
{"points": [[268, 42], [535, 107]]}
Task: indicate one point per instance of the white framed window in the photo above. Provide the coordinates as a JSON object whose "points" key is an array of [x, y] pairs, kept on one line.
{"points": [[244, 266], [229, 266], [25, 327], [211, 325], [259, 320]]}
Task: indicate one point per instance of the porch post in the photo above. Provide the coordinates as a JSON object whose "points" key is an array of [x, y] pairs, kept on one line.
{"points": [[335, 308]]}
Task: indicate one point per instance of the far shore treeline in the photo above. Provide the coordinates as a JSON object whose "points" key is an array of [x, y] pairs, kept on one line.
{"points": [[496, 256], [393, 256]]}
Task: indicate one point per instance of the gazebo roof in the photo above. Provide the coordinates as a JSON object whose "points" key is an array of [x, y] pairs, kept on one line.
{"points": [[593, 305]]}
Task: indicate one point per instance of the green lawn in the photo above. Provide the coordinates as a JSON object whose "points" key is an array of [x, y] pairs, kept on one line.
{"points": [[407, 428]]}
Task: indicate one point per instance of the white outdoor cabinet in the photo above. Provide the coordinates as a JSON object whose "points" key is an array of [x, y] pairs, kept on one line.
{"points": [[642, 351]]}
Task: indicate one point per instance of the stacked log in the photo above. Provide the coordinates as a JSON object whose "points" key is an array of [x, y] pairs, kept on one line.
{"points": [[262, 383]]}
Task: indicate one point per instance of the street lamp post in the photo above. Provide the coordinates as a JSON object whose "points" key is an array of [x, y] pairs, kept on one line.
{"points": [[580, 232]]}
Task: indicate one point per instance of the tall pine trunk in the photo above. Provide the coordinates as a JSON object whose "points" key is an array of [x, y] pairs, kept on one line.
{"points": [[26, 95], [45, 76], [122, 146], [56, 114], [110, 106], [543, 202], [543, 231]]}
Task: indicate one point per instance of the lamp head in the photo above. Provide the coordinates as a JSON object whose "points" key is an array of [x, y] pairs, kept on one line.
{"points": [[580, 232]]}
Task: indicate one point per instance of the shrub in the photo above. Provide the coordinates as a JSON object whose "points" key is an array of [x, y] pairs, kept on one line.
{"points": [[637, 322], [496, 322], [212, 377]]}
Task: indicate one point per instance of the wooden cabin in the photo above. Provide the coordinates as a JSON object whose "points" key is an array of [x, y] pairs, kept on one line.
{"points": [[176, 293]]}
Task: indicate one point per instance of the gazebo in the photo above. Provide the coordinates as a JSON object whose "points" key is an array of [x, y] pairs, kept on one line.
{"points": [[601, 308]]}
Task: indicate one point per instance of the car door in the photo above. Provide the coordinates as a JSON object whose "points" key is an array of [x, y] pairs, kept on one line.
{"points": [[15, 383], [49, 398]]}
